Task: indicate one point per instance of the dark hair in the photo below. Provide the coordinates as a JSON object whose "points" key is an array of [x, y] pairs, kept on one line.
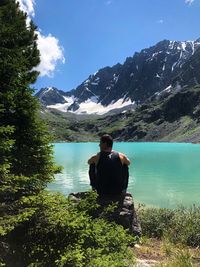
{"points": [[106, 138]]}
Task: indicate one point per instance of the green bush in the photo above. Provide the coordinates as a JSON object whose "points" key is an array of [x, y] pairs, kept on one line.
{"points": [[155, 221], [186, 226], [181, 225], [52, 231]]}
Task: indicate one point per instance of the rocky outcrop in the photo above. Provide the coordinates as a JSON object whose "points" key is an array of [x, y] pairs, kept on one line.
{"points": [[123, 212], [50, 96]]}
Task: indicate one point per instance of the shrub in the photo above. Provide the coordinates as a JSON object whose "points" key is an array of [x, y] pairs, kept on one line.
{"points": [[53, 231], [181, 225], [186, 226], [154, 221]]}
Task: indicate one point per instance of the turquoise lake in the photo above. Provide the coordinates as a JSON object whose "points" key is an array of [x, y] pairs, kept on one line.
{"points": [[161, 174]]}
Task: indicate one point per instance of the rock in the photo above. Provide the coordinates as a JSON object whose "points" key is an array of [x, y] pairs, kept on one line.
{"points": [[123, 212]]}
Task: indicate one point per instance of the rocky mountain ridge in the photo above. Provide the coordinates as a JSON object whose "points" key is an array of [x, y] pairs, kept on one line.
{"points": [[163, 68]]}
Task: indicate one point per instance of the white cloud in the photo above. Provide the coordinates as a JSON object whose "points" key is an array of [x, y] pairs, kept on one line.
{"points": [[189, 2], [27, 6], [51, 53]]}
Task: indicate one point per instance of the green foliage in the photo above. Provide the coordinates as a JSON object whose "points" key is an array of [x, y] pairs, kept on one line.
{"points": [[155, 221], [30, 153], [26, 162], [88, 203], [51, 231], [186, 226], [26, 157], [181, 225], [5, 146]]}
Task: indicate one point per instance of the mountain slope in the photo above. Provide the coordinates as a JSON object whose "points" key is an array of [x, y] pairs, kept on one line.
{"points": [[50, 96], [189, 74], [174, 118], [124, 86]]}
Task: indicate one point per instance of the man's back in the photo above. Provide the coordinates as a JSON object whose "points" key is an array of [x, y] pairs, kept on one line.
{"points": [[111, 176], [108, 169]]}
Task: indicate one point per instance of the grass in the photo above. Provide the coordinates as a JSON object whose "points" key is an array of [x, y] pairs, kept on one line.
{"points": [[181, 225], [171, 237], [166, 254], [178, 257]]}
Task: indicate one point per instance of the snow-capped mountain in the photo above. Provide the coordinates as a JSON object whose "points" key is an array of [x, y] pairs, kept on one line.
{"points": [[50, 96], [123, 86]]}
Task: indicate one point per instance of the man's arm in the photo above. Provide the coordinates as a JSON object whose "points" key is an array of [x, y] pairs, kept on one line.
{"points": [[124, 159], [93, 159], [92, 175]]}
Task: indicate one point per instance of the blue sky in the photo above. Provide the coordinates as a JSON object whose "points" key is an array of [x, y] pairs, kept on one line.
{"points": [[78, 37]]}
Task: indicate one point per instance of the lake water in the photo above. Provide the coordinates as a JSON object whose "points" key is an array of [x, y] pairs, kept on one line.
{"points": [[161, 174]]}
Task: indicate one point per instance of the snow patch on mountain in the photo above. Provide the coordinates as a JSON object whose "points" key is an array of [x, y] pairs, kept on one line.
{"points": [[63, 107], [47, 91], [171, 45], [115, 78], [163, 68], [91, 106], [183, 45]]}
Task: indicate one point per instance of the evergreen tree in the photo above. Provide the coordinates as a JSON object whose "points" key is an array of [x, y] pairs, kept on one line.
{"points": [[26, 164], [30, 154]]}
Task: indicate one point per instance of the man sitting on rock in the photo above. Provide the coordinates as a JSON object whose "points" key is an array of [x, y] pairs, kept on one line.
{"points": [[109, 177], [108, 169]]}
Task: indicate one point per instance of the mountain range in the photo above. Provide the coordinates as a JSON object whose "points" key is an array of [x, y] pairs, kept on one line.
{"points": [[153, 96], [153, 72]]}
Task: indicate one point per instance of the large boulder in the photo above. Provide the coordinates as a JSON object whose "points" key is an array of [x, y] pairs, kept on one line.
{"points": [[123, 211]]}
